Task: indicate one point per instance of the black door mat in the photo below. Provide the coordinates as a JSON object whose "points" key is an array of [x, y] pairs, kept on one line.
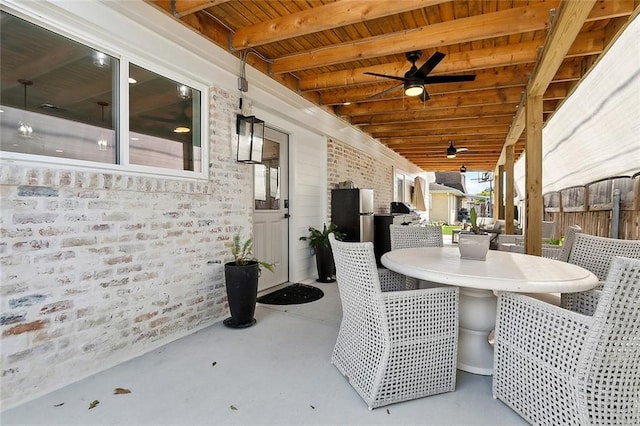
{"points": [[293, 294]]}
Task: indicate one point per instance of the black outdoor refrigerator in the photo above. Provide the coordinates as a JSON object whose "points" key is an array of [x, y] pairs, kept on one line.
{"points": [[352, 213]]}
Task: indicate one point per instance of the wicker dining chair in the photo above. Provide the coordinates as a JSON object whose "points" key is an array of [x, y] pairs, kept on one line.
{"points": [[557, 367], [595, 254], [408, 236], [392, 346], [567, 245]]}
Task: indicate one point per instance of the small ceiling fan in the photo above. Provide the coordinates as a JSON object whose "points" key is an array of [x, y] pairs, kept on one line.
{"points": [[452, 150], [415, 79], [182, 120]]}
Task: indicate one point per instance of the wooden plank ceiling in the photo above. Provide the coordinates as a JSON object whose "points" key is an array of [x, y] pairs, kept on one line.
{"points": [[321, 49]]}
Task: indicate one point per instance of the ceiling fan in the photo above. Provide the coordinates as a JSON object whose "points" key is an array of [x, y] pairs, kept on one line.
{"points": [[182, 120], [415, 79], [452, 150]]}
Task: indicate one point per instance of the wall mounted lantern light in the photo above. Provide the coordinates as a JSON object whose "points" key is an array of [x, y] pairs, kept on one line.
{"points": [[463, 169], [250, 132]]}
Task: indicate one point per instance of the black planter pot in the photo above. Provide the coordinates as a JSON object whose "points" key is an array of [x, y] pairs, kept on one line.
{"points": [[242, 291], [324, 263]]}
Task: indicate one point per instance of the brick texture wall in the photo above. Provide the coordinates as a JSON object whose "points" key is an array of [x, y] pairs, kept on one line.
{"points": [[97, 268], [347, 163]]}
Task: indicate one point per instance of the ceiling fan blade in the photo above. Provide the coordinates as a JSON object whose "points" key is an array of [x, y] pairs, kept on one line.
{"points": [[462, 149], [448, 78], [386, 76], [425, 96], [385, 91], [428, 66]]}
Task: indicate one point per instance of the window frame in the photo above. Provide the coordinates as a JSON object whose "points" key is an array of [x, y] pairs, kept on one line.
{"points": [[125, 57]]}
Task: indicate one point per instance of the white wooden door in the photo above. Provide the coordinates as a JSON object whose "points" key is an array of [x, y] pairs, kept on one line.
{"points": [[271, 203]]}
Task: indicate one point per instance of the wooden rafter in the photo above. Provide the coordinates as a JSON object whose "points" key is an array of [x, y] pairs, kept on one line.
{"points": [[332, 15], [506, 22], [499, 56]]}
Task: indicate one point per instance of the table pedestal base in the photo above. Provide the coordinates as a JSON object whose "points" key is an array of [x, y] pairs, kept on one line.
{"points": [[477, 320]]}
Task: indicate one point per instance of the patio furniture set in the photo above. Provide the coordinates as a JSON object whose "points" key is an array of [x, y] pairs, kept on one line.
{"points": [[578, 363]]}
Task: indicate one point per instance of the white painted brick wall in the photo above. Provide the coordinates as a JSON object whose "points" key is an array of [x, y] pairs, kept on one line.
{"points": [[97, 268], [347, 163]]}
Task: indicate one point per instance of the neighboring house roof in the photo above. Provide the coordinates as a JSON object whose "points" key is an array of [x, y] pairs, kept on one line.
{"points": [[439, 189]]}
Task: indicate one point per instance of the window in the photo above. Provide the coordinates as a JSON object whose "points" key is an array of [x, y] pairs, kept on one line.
{"points": [[60, 98], [164, 121]]}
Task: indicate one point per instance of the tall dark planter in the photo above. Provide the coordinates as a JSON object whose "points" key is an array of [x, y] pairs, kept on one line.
{"points": [[242, 291], [324, 263]]}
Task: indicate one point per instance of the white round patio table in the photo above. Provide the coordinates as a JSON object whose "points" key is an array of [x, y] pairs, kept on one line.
{"points": [[477, 279]]}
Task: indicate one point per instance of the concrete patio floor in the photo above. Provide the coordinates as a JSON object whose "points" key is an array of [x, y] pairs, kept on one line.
{"points": [[277, 372]]}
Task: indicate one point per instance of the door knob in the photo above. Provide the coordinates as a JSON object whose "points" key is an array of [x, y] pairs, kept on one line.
{"points": [[286, 216]]}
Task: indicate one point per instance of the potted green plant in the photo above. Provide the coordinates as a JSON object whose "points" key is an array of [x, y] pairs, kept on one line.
{"points": [[319, 242], [474, 243], [241, 278]]}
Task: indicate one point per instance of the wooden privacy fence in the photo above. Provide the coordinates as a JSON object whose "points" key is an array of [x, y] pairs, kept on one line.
{"points": [[593, 208]]}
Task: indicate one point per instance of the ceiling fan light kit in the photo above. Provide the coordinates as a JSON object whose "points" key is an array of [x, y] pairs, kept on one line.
{"points": [[413, 89]]}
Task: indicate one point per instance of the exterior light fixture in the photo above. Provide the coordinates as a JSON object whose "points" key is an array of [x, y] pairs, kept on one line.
{"points": [[451, 150], [463, 169], [250, 132], [413, 88]]}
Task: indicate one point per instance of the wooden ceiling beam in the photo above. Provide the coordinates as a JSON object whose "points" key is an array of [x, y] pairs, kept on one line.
{"points": [[502, 23], [515, 76], [430, 125], [464, 140], [567, 24], [479, 141], [489, 130], [482, 97], [439, 150], [478, 98], [459, 113], [501, 56], [570, 18], [490, 25], [485, 79], [321, 18]]}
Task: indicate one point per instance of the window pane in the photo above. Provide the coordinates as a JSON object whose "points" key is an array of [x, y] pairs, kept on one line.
{"points": [[267, 177], [164, 122], [57, 95]]}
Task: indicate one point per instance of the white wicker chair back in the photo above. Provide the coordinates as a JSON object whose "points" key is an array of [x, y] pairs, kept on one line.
{"points": [[569, 237], [595, 253], [408, 236], [392, 345]]}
